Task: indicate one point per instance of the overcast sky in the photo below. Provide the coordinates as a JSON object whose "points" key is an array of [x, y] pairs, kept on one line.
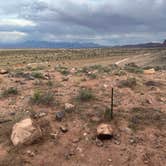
{"points": [[108, 22]]}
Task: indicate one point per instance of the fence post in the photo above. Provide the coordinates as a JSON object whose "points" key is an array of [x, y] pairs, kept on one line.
{"points": [[112, 102]]}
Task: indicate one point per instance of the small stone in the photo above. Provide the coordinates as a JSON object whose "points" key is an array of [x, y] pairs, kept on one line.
{"points": [[2, 71], [85, 134], [105, 86], [54, 135], [64, 129], [109, 160], [127, 130], [117, 142], [42, 114], [104, 131], [132, 141], [123, 149], [95, 119], [65, 78], [73, 70], [12, 113], [79, 149], [59, 115], [30, 153], [69, 107], [146, 162], [76, 140]]}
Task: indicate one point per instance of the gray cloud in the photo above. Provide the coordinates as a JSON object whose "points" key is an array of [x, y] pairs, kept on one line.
{"points": [[100, 21]]}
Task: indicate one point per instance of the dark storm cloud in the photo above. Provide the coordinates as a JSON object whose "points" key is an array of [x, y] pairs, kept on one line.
{"points": [[102, 21]]}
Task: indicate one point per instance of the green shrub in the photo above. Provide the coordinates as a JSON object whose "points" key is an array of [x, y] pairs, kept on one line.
{"points": [[92, 76], [130, 82], [85, 95], [37, 75], [45, 98], [133, 68], [62, 70], [10, 91]]}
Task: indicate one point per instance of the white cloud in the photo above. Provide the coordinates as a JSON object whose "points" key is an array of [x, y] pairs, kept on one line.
{"points": [[12, 36], [16, 22]]}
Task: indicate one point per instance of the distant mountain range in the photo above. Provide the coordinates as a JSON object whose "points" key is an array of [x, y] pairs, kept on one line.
{"points": [[144, 45], [44, 44]]}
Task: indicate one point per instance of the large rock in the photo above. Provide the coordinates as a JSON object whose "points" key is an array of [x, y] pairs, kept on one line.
{"points": [[25, 132], [104, 131]]}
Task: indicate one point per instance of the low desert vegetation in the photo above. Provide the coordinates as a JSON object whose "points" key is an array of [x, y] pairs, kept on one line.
{"points": [[141, 117], [85, 94], [43, 98], [129, 82], [63, 70], [9, 92], [133, 68], [38, 75]]}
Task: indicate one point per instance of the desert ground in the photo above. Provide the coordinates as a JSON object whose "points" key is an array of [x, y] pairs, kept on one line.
{"points": [[66, 93]]}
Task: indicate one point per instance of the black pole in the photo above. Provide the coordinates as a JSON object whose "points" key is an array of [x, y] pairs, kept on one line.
{"points": [[112, 102]]}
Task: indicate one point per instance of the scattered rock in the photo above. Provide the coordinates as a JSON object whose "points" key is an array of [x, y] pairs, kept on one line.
{"points": [[64, 129], [12, 113], [85, 134], [40, 115], [65, 78], [54, 135], [127, 130], [76, 140], [30, 153], [69, 107], [105, 86], [109, 160], [25, 132], [116, 142], [59, 115], [47, 76], [132, 141], [2, 71], [73, 71], [69, 154], [104, 131], [149, 71], [95, 119]]}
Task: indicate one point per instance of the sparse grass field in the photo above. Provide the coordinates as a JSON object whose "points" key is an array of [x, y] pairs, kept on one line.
{"points": [[44, 80]]}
